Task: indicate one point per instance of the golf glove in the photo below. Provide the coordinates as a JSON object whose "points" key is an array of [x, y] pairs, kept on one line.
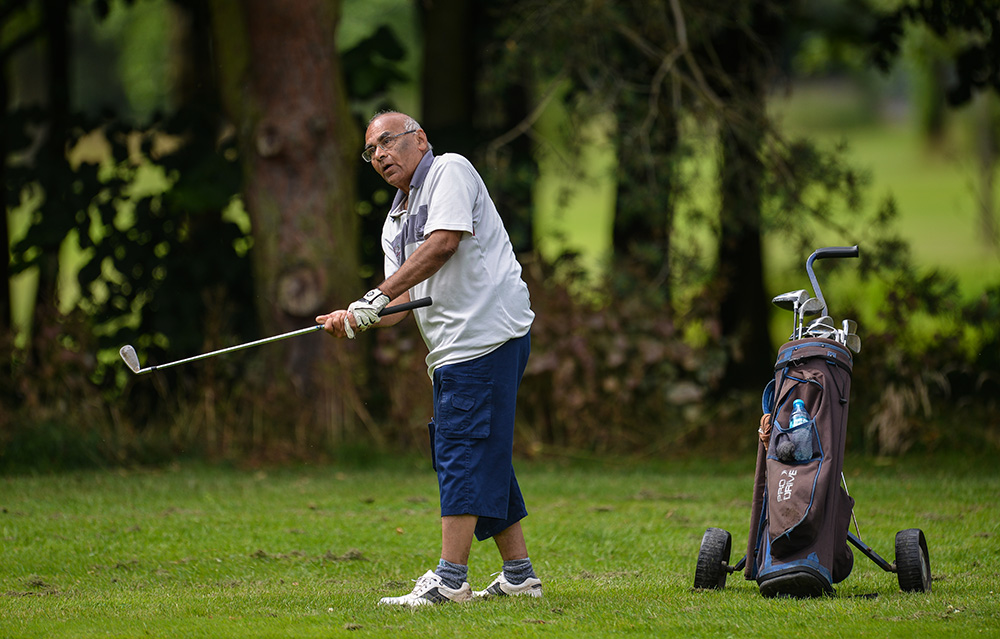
{"points": [[366, 310]]}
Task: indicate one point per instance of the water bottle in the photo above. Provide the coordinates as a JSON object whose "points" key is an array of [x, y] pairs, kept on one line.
{"points": [[799, 431]]}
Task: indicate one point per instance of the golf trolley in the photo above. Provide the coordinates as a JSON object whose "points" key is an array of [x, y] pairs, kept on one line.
{"points": [[801, 510]]}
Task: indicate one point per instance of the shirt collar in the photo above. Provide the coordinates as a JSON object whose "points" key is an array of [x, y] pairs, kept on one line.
{"points": [[415, 182]]}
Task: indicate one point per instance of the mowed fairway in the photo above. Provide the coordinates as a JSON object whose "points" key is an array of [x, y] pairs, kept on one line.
{"points": [[194, 551]]}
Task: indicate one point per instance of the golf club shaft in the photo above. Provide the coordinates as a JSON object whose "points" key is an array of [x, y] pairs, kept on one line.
{"points": [[389, 310]]}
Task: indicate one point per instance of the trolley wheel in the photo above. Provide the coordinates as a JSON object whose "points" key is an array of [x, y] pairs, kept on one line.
{"points": [[713, 559], [913, 563]]}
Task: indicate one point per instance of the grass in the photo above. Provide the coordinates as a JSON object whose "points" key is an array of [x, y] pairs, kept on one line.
{"points": [[212, 552]]}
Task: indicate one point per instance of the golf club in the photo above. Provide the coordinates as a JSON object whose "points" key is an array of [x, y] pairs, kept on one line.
{"points": [[810, 307], [853, 342], [791, 302], [822, 327], [851, 339], [132, 360], [825, 332]]}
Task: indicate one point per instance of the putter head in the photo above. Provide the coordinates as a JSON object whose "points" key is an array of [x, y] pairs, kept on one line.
{"points": [[130, 358], [791, 300]]}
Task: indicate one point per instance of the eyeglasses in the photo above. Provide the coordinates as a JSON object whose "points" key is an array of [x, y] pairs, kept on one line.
{"points": [[386, 144]]}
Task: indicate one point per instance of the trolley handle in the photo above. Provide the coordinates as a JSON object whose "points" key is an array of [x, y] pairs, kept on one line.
{"points": [[835, 251], [824, 253]]}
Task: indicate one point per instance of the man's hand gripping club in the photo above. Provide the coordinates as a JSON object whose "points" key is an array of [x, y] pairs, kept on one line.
{"points": [[365, 311]]}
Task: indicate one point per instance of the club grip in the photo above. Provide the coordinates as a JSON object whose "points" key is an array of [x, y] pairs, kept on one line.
{"points": [[406, 306], [836, 251]]}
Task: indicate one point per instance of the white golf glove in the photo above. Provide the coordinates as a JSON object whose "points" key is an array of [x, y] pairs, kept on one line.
{"points": [[366, 311]]}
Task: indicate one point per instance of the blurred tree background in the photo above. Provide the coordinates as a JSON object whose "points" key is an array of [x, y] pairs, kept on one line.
{"points": [[183, 176]]}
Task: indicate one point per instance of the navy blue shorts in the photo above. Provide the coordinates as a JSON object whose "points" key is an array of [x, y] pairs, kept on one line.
{"points": [[472, 437]]}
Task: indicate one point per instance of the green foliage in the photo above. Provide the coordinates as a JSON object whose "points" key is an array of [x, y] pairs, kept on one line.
{"points": [[372, 65], [161, 265], [177, 262], [619, 61], [166, 268], [612, 371], [163, 269], [926, 378], [632, 363], [809, 193], [130, 42], [974, 29]]}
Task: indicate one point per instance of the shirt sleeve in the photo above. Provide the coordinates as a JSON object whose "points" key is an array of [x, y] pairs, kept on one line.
{"points": [[452, 199]]}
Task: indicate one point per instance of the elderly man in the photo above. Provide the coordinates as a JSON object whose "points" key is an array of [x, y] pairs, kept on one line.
{"points": [[443, 238]]}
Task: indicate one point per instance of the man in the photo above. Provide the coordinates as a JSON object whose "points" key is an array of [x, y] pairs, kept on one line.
{"points": [[443, 238]]}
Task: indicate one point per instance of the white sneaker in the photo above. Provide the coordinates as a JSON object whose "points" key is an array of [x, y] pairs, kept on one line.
{"points": [[500, 587], [429, 590]]}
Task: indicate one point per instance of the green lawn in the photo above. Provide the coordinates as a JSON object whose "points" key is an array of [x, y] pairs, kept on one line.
{"points": [[212, 552]]}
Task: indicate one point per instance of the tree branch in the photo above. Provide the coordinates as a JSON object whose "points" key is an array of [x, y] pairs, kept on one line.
{"points": [[682, 39], [525, 125]]}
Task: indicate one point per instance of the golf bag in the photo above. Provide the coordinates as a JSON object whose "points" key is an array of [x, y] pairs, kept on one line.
{"points": [[799, 517], [800, 514]]}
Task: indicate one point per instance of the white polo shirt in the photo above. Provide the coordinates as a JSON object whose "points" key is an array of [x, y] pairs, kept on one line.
{"points": [[479, 299]]}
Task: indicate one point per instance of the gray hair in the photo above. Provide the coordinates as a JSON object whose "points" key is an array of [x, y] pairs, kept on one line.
{"points": [[408, 122]]}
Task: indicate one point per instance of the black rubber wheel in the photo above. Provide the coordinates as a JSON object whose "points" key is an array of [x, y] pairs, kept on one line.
{"points": [[913, 562], [713, 559]]}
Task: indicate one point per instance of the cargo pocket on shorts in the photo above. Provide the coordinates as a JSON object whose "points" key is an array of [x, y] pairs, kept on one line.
{"points": [[467, 412], [430, 436]]}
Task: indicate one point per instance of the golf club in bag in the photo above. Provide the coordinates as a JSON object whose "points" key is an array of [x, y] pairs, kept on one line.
{"points": [[801, 513], [131, 359]]}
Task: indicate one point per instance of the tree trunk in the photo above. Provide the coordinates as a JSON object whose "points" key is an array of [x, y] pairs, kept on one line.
{"points": [[743, 307], [283, 90], [54, 165], [988, 156], [644, 216], [460, 114], [55, 174], [449, 82], [6, 322]]}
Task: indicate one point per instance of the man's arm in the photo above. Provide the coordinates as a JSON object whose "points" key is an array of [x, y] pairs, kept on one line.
{"points": [[425, 261]]}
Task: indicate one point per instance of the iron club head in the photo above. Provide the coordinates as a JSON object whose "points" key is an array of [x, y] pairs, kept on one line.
{"points": [[851, 339], [853, 342], [826, 321], [810, 307], [130, 358]]}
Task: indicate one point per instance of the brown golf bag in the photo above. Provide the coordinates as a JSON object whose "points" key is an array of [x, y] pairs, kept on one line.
{"points": [[801, 513]]}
